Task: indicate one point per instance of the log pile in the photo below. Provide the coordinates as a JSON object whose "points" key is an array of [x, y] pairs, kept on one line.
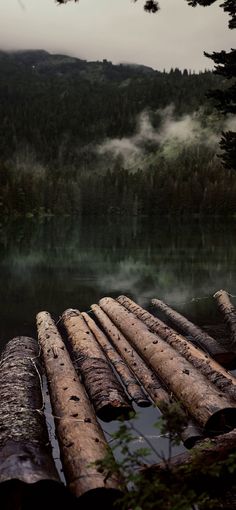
{"points": [[122, 354]]}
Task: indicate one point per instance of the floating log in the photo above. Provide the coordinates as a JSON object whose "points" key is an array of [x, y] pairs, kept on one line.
{"points": [[26, 463], [205, 341], [191, 434], [228, 311], [224, 380], [80, 436], [104, 389], [130, 382], [212, 410]]}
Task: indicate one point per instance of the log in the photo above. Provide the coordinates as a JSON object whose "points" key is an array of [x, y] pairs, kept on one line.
{"points": [[196, 470], [105, 391], [212, 410], [128, 379], [80, 436], [228, 311], [191, 434], [224, 380], [205, 341], [26, 464]]}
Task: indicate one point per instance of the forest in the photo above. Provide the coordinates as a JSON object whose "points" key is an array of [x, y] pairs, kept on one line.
{"points": [[93, 138]]}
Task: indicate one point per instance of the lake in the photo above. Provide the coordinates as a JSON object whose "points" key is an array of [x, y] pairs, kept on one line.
{"points": [[54, 264]]}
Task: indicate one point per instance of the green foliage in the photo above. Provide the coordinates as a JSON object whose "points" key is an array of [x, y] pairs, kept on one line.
{"points": [[171, 486]]}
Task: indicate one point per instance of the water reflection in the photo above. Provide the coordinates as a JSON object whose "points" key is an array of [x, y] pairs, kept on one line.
{"points": [[61, 263]]}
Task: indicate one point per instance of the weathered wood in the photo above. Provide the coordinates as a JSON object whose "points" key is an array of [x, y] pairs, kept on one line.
{"points": [[80, 436], [105, 391], [25, 453], [224, 380], [228, 311], [205, 403], [28, 474], [205, 341], [191, 434], [130, 382]]}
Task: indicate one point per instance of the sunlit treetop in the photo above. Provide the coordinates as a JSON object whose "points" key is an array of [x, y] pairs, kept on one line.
{"points": [[152, 6]]}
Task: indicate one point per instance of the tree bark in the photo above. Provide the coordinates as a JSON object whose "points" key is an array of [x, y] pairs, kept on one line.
{"points": [[27, 469], [130, 382], [191, 434], [209, 407], [205, 341], [228, 311], [224, 380], [80, 436], [105, 391]]}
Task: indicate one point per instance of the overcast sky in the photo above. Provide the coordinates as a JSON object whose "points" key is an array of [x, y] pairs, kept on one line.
{"points": [[118, 30]]}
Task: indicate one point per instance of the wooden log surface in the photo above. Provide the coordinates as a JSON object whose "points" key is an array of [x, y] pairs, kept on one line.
{"points": [[105, 391], [228, 311], [224, 380], [206, 404], [205, 341], [28, 475], [80, 436], [192, 433], [130, 382]]}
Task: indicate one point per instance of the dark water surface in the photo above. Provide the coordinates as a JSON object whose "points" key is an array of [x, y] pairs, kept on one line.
{"points": [[60, 263]]}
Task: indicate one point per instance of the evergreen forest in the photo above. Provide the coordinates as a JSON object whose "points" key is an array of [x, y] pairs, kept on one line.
{"points": [[93, 138]]}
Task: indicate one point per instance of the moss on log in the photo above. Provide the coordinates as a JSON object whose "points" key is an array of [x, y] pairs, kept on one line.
{"points": [[28, 474]]}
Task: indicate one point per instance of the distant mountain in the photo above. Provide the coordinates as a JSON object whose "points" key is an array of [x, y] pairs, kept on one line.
{"points": [[58, 105]]}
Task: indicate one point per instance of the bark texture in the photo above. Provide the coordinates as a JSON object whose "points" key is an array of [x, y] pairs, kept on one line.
{"points": [[228, 311], [104, 389], [80, 436], [206, 404], [205, 341], [146, 376], [25, 453], [28, 476], [128, 379], [224, 380]]}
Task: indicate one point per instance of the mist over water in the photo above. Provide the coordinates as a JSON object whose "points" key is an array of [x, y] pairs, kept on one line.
{"points": [[62, 263]]}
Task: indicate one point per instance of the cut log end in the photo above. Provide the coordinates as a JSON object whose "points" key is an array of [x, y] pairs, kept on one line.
{"points": [[221, 421]]}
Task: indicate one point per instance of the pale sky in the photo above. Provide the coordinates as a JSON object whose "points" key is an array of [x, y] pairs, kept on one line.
{"points": [[118, 30]]}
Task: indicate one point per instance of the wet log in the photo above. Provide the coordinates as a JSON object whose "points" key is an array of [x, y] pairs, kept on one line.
{"points": [[105, 391], [228, 311], [205, 341], [27, 468], [212, 410], [224, 380], [128, 379], [81, 439], [192, 433]]}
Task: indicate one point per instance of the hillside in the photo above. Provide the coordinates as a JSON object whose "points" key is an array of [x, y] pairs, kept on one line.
{"points": [[97, 138]]}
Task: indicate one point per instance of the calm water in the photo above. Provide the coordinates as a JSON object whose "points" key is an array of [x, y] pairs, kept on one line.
{"points": [[66, 262]]}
